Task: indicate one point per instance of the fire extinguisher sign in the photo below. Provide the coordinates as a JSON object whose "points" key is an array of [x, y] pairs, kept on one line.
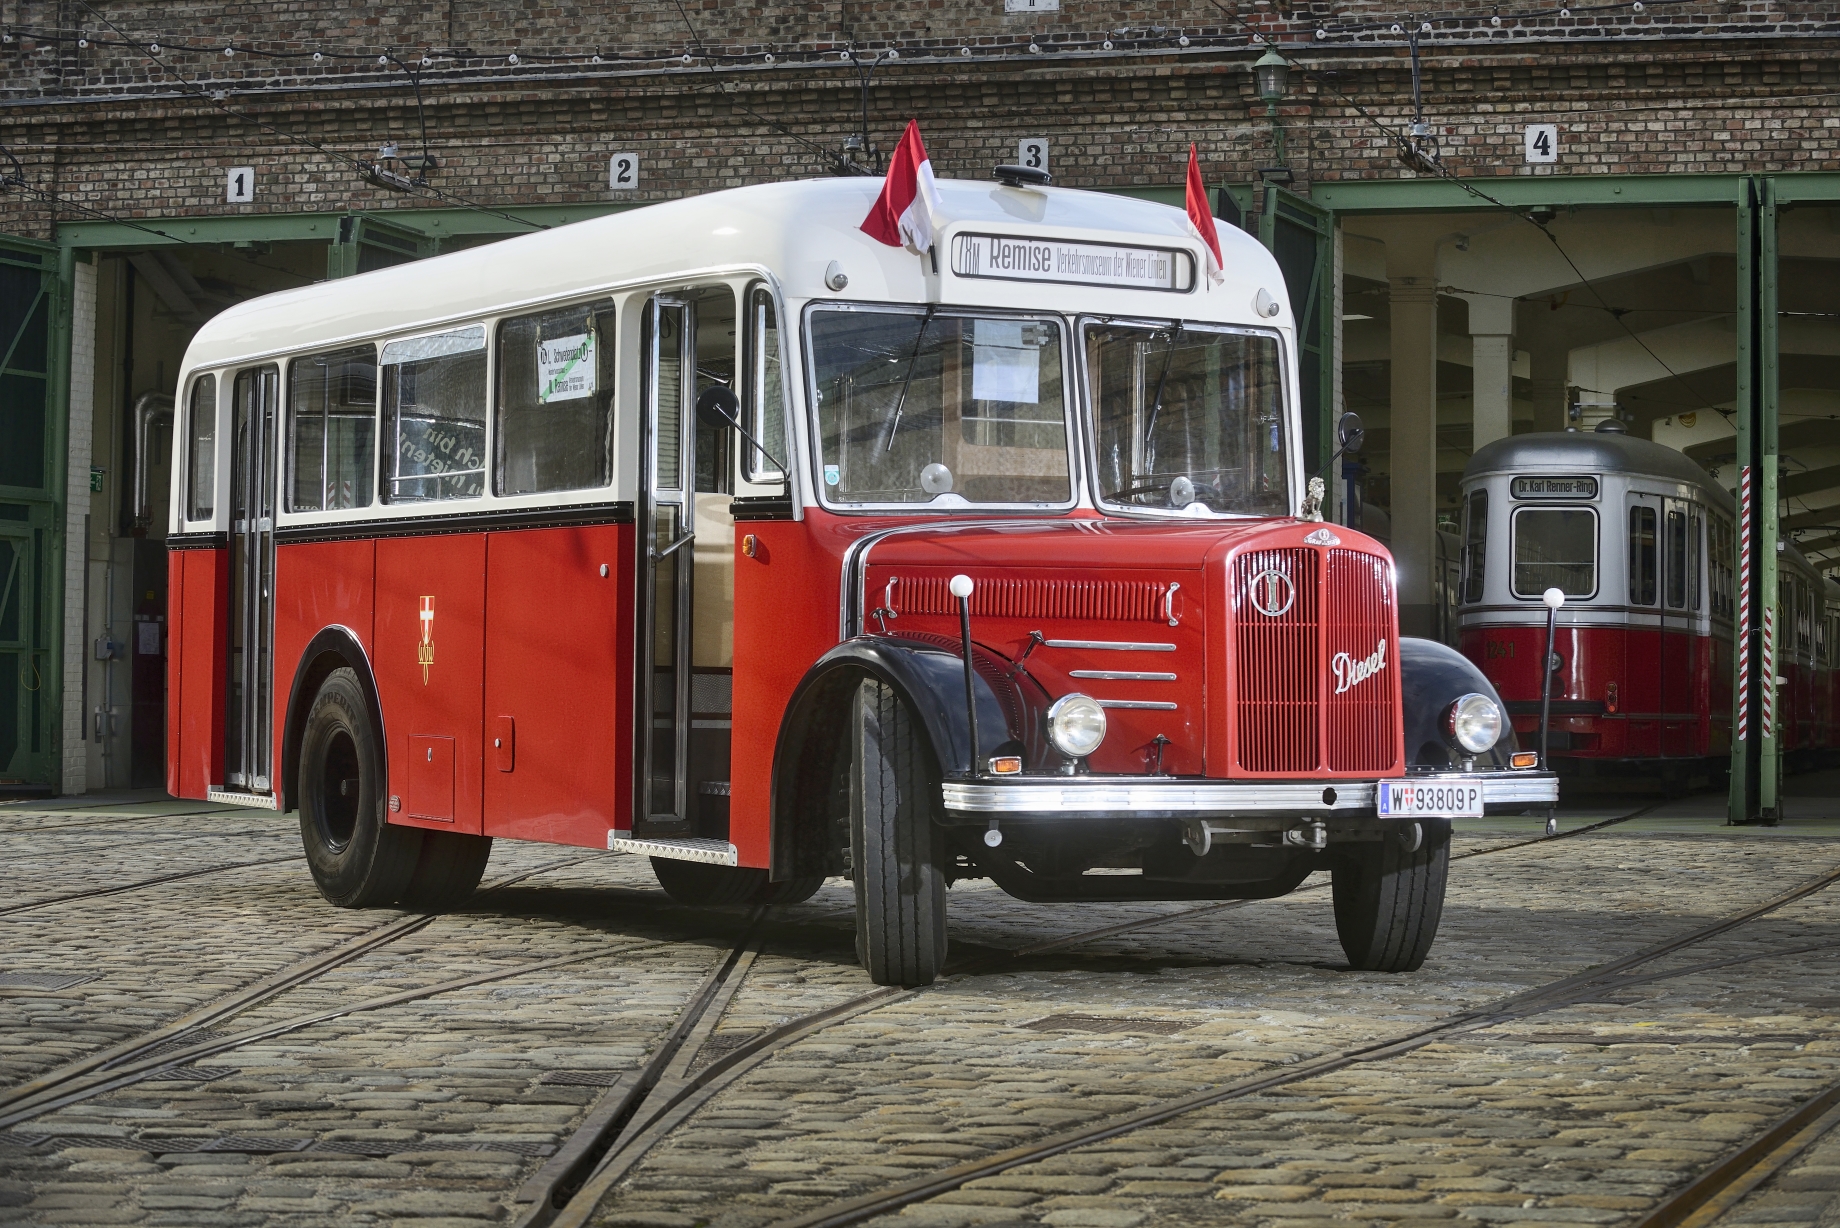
{"points": [[1542, 142]]}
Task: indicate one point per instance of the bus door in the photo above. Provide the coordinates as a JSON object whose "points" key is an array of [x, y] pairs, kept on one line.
{"points": [[1677, 629], [248, 712], [666, 529]]}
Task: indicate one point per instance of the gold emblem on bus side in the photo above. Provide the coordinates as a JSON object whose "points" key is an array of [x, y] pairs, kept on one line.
{"points": [[424, 651]]}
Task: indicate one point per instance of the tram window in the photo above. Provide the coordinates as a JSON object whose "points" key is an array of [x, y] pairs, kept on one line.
{"points": [[948, 410], [1696, 554], [1188, 416], [333, 400], [434, 416], [1676, 559], [765, 388], [1642, 560], [555, 401], [1475, 544], [201, 465], [1555, 547]]}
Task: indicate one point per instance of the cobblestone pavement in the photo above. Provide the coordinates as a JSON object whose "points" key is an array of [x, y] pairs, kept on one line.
{"points": [[433, 1110]]}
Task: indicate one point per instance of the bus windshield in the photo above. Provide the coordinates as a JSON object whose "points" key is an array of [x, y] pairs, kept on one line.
{"points": [[1190, 419], [946, 409]]}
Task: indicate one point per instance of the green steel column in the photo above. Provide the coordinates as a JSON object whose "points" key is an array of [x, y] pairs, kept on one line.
{"points": [[57, 430], [1741, 801], [1765, 397]]}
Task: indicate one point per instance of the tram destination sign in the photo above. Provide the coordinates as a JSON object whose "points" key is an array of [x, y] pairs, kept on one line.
{"points": [[1555, 488], [1017, 258]]}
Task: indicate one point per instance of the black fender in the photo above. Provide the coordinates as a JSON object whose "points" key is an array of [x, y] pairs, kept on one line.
{"points": [[930, 679], [1431, 677], [333, 648]]}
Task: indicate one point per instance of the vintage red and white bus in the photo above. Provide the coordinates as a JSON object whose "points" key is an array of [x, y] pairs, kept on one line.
{"points": [[648, 534], [1641, 541]]}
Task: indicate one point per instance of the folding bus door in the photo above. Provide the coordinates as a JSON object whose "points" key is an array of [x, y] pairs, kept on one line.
{"points": [[248, 715], [666, 527]]}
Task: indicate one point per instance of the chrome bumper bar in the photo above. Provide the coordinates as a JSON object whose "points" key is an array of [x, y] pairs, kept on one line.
{"points": [[1124, 795]]}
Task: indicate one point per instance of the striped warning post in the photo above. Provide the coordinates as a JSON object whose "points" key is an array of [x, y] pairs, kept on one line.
{"points": [[1768, 668], [1744, 603]]}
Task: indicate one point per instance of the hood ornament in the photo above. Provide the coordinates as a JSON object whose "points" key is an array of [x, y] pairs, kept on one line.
{"points": [[1322, 537]]}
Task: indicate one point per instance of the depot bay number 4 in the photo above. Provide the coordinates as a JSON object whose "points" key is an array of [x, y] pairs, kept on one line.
{"points": [[1542, 142]]}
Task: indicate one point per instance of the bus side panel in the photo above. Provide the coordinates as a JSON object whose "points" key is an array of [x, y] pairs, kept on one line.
{"points": [[175, 666], [558, 684], [431, 676], [317, 585], [204, 647], [785, 619]]}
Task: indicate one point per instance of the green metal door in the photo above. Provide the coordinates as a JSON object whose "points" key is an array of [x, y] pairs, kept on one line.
{"points": [[366, 244], [1301, 236]]}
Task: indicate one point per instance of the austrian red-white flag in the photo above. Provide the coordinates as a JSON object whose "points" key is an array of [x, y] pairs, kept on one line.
{"points": [[909, 203], [1202, 218]]}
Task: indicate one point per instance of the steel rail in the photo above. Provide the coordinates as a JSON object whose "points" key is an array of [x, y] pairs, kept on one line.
{"points": [[649, 1122], [299, 972], [1566, 991], [145, 882], [1724, 1185]]}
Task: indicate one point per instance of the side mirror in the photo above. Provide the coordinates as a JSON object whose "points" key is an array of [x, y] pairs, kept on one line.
{"points": [[719, 407], [1349, 432]]}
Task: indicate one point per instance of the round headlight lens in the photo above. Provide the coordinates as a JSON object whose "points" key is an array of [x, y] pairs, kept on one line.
{"points": [[1076, 725], [1475, 723]]}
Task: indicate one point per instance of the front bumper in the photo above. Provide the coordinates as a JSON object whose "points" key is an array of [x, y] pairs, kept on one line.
{"points": [[1163, 796]]}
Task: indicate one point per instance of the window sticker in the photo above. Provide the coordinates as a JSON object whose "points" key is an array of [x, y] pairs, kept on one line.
{"points": [[565, 368], [1006, 362], [831, 475]]}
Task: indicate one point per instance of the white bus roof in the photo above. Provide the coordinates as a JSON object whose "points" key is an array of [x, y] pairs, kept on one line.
{"points": [[795, 230]]}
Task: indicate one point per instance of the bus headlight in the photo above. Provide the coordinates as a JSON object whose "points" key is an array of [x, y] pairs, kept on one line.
{"points": [[1474, 722], [1076, 725]]}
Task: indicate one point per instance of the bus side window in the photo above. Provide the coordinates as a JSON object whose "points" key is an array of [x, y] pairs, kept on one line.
{"points": [[766, 406], [1642, 556], [201, 464], [1475, 545], [1676, 559], [332, 447], [555, 401], [434, 416]]}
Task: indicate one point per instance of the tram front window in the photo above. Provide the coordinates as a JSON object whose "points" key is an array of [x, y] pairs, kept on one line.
{"points": [[1555, 547], [932, 408], [1189, 418]]}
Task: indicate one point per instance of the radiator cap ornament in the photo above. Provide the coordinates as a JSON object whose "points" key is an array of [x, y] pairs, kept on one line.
{"points": [[1322, 537]]}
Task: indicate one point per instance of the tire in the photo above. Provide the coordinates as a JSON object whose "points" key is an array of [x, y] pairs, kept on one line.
{"points": [[1389, 899], [701, 885], [894, 855], [358, 859], [790, 891], [448, 871]]}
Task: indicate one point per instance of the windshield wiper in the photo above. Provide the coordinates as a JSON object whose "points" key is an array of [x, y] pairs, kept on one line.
{"points": [[1156, 406], [913, 359]]}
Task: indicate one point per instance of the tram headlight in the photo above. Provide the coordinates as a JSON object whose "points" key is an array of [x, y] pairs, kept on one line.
{"points": [[1474, 722], [1076, 725]]}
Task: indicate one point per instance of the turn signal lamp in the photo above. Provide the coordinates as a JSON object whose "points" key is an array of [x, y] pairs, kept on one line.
{"points": [[1524, 759], [1006, 765]]}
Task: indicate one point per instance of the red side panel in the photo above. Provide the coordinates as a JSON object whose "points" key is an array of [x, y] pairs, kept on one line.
{"points": [[317, 585], [785, 618], [558, 683], [195, 752], [429, 656]]}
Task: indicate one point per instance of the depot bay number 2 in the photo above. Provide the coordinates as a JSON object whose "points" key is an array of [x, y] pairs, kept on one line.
{"points": [[623, 172]]}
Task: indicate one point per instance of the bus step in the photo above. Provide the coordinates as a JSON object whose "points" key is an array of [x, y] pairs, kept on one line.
{"points": [[712, 852]]}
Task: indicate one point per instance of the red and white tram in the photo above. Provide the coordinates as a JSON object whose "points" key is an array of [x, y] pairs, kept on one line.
{"points": [[1640, 540], [650, 533]]}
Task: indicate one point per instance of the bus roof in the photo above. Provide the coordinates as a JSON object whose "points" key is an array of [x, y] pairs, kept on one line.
{"points": [[794, 229]]}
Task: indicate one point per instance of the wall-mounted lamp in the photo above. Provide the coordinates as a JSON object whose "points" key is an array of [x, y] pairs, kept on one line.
{"points": [[1271, 76]]}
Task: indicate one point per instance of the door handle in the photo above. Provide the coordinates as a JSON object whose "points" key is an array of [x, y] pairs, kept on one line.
{"points": [[658, 556]]}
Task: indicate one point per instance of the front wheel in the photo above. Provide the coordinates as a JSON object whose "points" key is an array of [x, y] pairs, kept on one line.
{"points": [[894, 855], [1389, 898]]}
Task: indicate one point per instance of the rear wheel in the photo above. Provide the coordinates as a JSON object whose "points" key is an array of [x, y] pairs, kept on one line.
{"points": [[1389, 898], [706, 886], [894, 854], [358, 860]]}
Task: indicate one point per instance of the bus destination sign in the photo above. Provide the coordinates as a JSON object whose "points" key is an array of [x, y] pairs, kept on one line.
{"points": [[1014, 258], [1555, 488]]}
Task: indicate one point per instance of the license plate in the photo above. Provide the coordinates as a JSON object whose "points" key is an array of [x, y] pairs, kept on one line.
{"points": [[1426, 799]]}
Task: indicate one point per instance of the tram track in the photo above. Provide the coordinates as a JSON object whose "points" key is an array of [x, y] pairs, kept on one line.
{"points": [[90, 1076], [142, 884], [628, 1122]]}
